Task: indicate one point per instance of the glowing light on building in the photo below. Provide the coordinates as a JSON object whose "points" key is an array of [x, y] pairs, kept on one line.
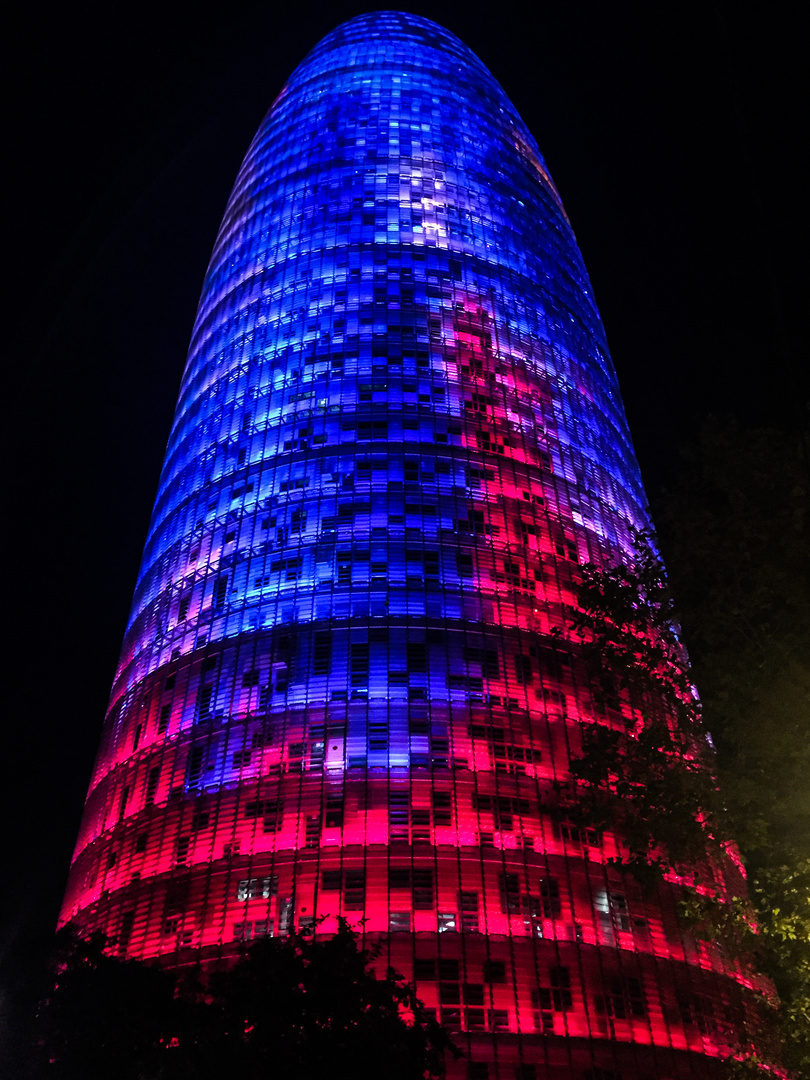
{"points": [[348, 685]]}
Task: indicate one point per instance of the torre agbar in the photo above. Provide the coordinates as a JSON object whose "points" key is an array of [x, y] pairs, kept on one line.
{"points": [[349, 684]]}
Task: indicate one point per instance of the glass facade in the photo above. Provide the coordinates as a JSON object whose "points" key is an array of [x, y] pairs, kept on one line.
{"points": [[349, 684]]}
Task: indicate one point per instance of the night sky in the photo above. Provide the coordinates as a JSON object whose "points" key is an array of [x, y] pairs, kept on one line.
{"points": [[674, 135]]}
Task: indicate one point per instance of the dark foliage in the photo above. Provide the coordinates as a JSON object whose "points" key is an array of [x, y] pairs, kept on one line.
{"points": [[646, 771], [734, 529], [301, 1007], [647, 774], [735, 539], [312, 1008], [101, 1017]]}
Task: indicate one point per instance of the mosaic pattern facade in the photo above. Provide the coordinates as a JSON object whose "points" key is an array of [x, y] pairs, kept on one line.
{"points": [[349, 684]]}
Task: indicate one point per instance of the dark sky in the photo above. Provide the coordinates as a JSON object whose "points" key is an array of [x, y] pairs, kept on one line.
{"points": [[674, 134]]}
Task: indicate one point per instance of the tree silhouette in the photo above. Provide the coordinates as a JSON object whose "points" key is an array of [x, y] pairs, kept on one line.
{"points": [[302, 1006], [734, 531], [313, 1006], [101, 1017], [647, 771]]}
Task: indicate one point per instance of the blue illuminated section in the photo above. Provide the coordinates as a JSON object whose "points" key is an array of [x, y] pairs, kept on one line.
{"points": [[376, 239], [349, 684]]}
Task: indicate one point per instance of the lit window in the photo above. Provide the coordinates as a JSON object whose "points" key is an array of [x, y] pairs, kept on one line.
{"points": [[256, 888]]}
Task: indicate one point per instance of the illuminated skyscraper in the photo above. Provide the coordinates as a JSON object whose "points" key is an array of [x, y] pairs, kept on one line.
{"points": [[349, 684]]}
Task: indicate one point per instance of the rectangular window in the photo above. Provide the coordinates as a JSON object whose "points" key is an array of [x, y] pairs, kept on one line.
{"points": [[398, 814], [464, 564], [378, 736], [152, 783], [359, 664], [499, 1019], [220, 592], [523, 669], [399, 877], [204, 701], [442, 808], [503, 815], [635, 996], [510, 892], [620, 911], [422, 888], [257, 888], [698, 1009], [334, 811], [424, 968], [313, 831], [298, 521], [417, 658], [273, 815], [449, 969], [487, 658], [624, 998], [574, 835], [322, 653], [354, 893], [560, 979], [495, 971], [468, 905], [330, 881], [124, 934], [195, 765], [247, 931], [550, 898]]}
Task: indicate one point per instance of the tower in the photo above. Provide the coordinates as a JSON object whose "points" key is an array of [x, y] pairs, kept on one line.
{"points": [[349, 684]]}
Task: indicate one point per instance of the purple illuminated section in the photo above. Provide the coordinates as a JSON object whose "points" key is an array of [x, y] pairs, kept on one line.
{"points": [[347, 685]]}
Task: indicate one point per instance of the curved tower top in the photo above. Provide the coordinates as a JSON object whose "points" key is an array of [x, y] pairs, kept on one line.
{"points": [[448, 170], [349, 684]]}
